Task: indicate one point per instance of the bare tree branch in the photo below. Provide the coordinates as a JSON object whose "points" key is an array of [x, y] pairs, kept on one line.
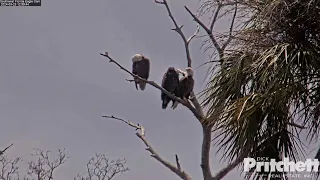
{"points": [[98, 167], [5, 149], [194, 35], [178, 29], [208, 31], [152, 83], [214, 19], [206, 143], [44, 167], [231, 27], [197, 109], [41, 169], [9, 169], [177, 170], [223, 172], [102, 168], [137, 126], [205, 152]]}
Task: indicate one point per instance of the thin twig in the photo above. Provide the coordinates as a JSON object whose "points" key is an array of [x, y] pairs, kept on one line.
{"points": [[231, 27], [208, 31], [176, 169], [207, 63], [214, 19], [136, 126], [194, 35], [296, 125], [177, 161]]}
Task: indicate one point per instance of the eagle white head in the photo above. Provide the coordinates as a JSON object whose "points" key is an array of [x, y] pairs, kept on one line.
{"points": [[189, 71], [137, 57]]}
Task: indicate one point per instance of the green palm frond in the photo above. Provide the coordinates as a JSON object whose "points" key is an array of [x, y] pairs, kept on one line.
{"points": [[254, 101], [267, 92]]}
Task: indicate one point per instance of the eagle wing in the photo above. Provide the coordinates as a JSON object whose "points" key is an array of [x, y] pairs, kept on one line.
{"points": [[134, 68], [143, 68], [174, 80], [185, 86], [164, 78], [170, 80], [190, 86], [135, 72]]}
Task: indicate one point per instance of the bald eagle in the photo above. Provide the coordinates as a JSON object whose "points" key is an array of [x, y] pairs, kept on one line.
{"points": [[140, 67], [186, 85], [170, 82]]}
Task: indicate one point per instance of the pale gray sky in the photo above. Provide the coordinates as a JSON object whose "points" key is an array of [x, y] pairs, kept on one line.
{"points": [[55, 86]]}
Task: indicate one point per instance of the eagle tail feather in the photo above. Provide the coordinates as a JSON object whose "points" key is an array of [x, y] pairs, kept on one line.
{"points": [[165, 103], [173, 102], [175, 105], [136, 85], [142, 85], [136, 81]]}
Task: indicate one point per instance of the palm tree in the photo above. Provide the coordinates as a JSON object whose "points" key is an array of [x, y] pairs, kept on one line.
{"points": [[266, 91]]}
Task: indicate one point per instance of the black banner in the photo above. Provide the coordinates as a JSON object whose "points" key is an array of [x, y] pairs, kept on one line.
{"points": [[20, 2]]}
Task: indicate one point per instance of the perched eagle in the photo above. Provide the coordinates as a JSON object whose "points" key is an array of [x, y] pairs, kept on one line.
{"points": [[140, 67], [170, 82], [186, 85]]}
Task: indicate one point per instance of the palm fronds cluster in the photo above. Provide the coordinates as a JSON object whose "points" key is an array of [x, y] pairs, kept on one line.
{"points": [[267, 91]]}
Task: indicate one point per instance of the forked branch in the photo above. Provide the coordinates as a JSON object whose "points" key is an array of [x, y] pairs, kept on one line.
{"points": [[207, 30], [9, 168], [214, 19], [136, 126], [102, 168], [178, 29], [176, 169], [44, 167], [206, 143]]}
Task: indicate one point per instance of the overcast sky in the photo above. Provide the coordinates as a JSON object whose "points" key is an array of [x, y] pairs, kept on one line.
{"points": [[55, 86]]}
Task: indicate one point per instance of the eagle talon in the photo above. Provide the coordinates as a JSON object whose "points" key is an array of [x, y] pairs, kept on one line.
{"points": [[186, 100], [175, 105]]}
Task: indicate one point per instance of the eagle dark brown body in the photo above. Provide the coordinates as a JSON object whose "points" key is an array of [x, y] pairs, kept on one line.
{"points": [[170, 82], [140, 67], [186, 85]]}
